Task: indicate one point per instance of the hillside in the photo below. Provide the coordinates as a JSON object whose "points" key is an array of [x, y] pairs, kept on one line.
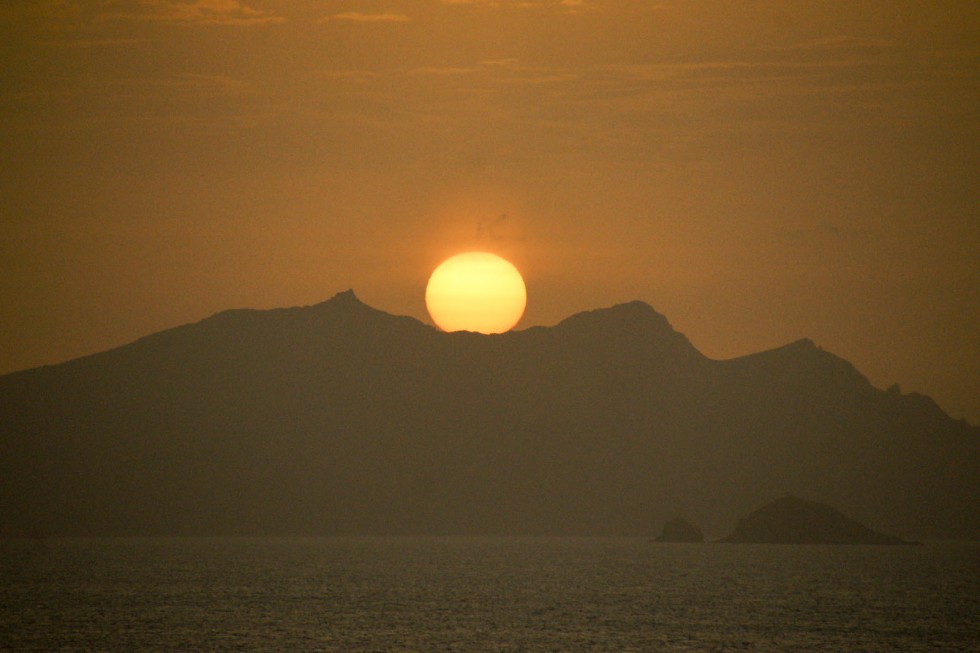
{"points": [[790, 520], [339, 418]]}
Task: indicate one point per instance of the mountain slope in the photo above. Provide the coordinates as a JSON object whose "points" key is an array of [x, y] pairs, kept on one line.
{"points": [[338, 418], [790, 520]]}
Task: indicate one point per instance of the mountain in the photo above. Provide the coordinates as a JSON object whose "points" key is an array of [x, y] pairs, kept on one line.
{"points": [[341, 419], [789, 520], [678, 530]]}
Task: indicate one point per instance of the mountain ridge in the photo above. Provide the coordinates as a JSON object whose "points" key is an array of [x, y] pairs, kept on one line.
{"points": [[340, 418], [347, 300], [792, 520]]}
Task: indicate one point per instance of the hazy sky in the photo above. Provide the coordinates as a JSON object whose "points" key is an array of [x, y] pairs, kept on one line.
{"points": [[756, 171]]}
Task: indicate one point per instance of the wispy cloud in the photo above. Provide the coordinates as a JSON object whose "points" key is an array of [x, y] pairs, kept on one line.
{"points": [[198, 12], [90, 43], [574, 6], [198, 84], [353, 76], [204, 98], [492, 228], [828, 233], [504, 63], [50, 9], [359, 17], [841, 43], [443, 71]]}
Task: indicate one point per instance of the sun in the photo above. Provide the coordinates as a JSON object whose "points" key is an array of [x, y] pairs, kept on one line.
{"points": [[476, 291]]}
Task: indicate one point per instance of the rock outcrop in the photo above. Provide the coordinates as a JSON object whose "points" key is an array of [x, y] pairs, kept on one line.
{"points": [[679, 530], [790, 520]]}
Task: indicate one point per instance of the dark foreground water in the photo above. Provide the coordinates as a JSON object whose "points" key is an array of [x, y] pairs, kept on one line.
{"points": [[408, 594]]}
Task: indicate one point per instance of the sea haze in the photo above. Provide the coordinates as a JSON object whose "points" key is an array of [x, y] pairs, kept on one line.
{"points": [[339, 419], [483, 594]]}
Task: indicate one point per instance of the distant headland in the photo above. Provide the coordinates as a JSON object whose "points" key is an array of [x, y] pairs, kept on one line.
{"points": [[679, 530], [790, 520]]}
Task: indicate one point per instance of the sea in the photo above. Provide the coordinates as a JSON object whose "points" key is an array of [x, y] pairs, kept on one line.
{"points": [[484, 594]]}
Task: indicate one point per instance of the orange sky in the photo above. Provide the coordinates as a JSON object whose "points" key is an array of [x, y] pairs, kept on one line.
{"points": [[756, 171]]}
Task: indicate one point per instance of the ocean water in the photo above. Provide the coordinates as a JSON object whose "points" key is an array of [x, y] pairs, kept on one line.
{"points": [[475, 594]]}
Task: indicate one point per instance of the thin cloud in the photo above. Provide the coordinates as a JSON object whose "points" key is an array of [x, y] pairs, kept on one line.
{"points": [[90, 43], [492, 228], [209, 85], [61, 10], [828, 233], [503, 63], [359, 17], [574, 6], [200, 12], [120, 89], [442, 71], [841, 43], [353, 76]]}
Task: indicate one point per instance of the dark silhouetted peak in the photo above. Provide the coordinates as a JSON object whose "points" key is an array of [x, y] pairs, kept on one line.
{"points": [[790, 520], [808, 352], [634, 326], [679, 530], [915, 403], [346, 308], [801, 347], [798, 351], [346, 298], [630, 313], [803, 343], [801, 364], [345, 301]]}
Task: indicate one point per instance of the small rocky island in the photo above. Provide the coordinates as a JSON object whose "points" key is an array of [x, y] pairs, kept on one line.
{"points": [[789, 520], [679, 530]]}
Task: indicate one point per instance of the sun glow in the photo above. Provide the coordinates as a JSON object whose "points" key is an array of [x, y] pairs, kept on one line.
{"points": [[476, 291]]}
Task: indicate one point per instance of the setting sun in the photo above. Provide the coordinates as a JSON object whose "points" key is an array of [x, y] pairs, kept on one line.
{"points": [[476, 291]]}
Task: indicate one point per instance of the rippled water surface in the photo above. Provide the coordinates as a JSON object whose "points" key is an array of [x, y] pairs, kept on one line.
{"points": [[461, 594]]}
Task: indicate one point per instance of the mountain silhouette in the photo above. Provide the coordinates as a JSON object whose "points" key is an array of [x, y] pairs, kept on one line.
{"points": [[339, 418], [790, 520], [680, 531]]}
